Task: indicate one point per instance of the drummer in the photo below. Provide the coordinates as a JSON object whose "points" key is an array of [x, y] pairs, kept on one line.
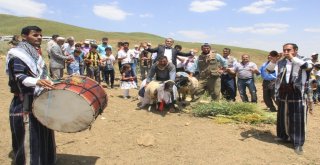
{"points": [[32, 142]]}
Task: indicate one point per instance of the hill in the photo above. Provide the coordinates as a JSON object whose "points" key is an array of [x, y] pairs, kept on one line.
{"points": [[10, 25]]}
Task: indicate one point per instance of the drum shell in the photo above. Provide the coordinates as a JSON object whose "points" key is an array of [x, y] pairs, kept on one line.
{"points": [[81, 89]]}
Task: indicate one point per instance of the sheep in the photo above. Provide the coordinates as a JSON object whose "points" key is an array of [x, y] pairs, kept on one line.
{"points": [[189, 88], [159, 92], [187, 85]]}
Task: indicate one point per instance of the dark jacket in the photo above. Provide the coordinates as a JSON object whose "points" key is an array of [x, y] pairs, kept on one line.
{"points": [[160, 52]]}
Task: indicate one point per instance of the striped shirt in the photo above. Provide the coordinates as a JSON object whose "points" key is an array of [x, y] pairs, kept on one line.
{"points": [[94, 57]]}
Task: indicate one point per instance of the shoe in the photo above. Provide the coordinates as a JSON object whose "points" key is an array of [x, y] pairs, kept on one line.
{"points": [[281, 140], [125, 97], [138, 108], [298, 150]]}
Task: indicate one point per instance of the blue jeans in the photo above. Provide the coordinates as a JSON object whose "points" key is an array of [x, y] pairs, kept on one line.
{"points": [[134, 70], [242, 85], [82, 69]]}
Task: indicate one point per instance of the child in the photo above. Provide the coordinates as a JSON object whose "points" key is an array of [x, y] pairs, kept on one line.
{"points": [[74, 64], [78, 47], [127, 80], [93, 60], [109, 69]]}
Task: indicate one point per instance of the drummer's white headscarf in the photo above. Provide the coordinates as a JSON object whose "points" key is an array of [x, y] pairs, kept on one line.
{"points": [[29, 55]]}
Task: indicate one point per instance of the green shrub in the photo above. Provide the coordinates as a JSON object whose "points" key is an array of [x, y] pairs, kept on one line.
{"points": [[225, 112]]}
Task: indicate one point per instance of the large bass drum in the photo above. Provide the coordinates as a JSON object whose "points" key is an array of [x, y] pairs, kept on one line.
{"points": [[72, 106]]}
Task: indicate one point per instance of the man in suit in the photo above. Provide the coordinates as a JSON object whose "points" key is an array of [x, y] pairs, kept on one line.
{"points": [[57, 60], [166, 50]]}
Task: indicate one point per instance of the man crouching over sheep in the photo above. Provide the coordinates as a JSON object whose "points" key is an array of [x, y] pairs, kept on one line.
{"points": [[161, 89]]}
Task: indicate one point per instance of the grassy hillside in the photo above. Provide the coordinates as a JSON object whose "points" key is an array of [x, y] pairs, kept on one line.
{"points": [[10, 25]]}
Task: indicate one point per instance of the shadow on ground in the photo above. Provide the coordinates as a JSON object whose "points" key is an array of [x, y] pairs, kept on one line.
{"points": [[68, 159], [264, 136]]}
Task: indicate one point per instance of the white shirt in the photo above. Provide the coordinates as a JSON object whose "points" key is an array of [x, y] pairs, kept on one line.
{"points": [[127, 55], [154, 56], [295, 70], [67, 49], [109, 62], [288, 72], [168, 54], [136, 53]]}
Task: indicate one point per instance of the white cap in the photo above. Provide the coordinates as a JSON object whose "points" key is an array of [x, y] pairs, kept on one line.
{"points": [[60, 39], [314, 53], [86, 42], [70, 38]]}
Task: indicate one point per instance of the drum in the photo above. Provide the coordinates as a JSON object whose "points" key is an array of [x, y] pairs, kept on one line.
{"points": [[72, 106]]}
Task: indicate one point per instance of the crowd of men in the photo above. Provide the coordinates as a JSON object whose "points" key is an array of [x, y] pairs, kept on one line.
{"points": [[288, 83], [216, 73]]}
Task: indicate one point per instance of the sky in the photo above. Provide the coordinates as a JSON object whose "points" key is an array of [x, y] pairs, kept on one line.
{"points": [[259, 24]]}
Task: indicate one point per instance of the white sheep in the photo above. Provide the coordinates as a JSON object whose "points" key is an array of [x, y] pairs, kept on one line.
{"points": [[157, 91]]}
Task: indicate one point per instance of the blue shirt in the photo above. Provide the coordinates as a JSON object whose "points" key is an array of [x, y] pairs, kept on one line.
{"points": [[81, 56], [102, 50], [265, 74], [74, 66]]}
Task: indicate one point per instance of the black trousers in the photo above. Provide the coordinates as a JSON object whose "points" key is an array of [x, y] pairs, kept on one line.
{"points": [[109, 76], [228, 87], [268, 94]]}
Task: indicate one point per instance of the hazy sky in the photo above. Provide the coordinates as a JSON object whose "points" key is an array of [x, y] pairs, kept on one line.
{"points": [[261, 24]]}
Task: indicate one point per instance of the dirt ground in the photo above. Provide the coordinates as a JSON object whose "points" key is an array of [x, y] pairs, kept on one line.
{"points": [[123, 135]]}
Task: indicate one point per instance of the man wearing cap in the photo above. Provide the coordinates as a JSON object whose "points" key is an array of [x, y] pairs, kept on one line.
{"points": [[68, 47], [51, 43], [86, 47], [134, 59], [166, 50], [49, 46], [210, 66], [57, 60]]}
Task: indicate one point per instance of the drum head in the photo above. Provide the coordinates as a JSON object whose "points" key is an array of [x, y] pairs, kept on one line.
{"points": [[63, 110]]}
